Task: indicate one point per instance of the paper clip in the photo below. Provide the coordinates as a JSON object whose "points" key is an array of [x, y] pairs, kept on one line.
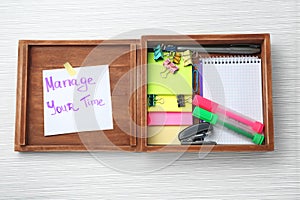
{"points": [[170, 68], [181, 100], [195, 79], [177, 58], [152, 100], [187, 58], [158, 54]]}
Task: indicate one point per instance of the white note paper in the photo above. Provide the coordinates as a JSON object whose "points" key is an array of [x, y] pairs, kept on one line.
{"points": [[235, 83], [77, 103]]}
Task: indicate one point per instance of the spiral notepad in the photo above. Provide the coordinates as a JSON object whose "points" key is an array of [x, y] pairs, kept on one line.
{"points": [[234, 82]]}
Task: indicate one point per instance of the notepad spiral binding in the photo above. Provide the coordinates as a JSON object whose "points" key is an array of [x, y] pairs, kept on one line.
{"points": [[231, 60]]}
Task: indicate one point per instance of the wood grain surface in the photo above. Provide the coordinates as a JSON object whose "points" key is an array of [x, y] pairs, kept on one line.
{"points": [[268, 175]]}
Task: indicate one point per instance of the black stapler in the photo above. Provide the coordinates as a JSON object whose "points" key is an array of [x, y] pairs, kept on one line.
{"points": [[195, 134]]}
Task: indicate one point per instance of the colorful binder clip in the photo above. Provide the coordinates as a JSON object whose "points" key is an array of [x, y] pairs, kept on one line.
{"points": [[187, 58], [169, 48], [177, 58], [195, 134], [158, 54], [170, 68], [152, 100]]}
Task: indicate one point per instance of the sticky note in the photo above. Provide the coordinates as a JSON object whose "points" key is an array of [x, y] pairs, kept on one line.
{"points": [[164, 135], [169, 118], [177, 83], [78, 103]]}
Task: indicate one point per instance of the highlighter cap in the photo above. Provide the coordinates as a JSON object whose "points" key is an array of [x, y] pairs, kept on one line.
{"points": [[257, 127], [205, 115], [204, 103], [258, 139]]}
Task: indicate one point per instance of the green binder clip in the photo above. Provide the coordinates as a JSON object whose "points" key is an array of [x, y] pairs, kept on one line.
{"points": [[152, 100]]}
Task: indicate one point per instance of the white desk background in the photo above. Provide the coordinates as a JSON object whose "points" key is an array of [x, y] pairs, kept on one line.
{"points": [[270, 175]]}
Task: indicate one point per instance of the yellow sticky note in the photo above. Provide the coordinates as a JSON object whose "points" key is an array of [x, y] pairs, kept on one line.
{"points": [[70, 69], [164, 135], [178, 83]]}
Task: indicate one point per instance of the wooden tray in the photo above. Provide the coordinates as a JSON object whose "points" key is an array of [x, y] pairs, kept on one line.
{"points": [[127, 60]]}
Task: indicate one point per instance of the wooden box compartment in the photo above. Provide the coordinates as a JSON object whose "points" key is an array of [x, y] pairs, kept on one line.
{"points": [[35, 56], [148, 42], [127, 60]]}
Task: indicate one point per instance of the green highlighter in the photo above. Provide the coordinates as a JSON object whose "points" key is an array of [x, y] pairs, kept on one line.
{"points": [[214, 119]]}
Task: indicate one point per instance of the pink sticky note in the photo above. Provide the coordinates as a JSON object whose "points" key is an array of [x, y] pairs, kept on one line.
{"points": [[169, 118]]}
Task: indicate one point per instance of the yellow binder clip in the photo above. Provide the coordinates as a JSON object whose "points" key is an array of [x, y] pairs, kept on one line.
{"points": [[187, 58], [177, 58]]}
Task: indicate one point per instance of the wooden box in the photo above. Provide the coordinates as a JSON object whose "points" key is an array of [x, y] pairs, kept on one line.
{"points": [[127, 60]]}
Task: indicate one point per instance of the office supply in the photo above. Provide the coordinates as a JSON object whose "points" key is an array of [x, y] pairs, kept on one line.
{"points": [[169, 55], [169, 118], [169, 48], [196, 79], [170, 68], [195, 134], [215, 120], [152, 100], [170, 104], [178, 83], [180, 100], [164, 135], [176, 58], [70, 69], [66, 97], [221, 110], [223, 49], [131, 79], [200, 80], [236, 83], [242, 48], [158, 54], [187, 58]]}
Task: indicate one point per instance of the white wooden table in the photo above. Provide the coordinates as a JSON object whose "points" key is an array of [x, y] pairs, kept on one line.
{"points": [[271, 175]]}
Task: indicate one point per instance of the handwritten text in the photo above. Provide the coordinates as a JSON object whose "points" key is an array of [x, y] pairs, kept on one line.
{"points": [[82, 83]]}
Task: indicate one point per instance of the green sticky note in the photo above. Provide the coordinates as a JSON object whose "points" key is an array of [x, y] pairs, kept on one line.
{"points": [[178, 83]]}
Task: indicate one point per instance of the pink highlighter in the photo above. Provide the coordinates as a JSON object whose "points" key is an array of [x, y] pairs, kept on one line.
{"points": [[218, 109]]}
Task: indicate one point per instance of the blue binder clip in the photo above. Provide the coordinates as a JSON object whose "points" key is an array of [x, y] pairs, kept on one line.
{"points": [[158, 54], [169, 48]]}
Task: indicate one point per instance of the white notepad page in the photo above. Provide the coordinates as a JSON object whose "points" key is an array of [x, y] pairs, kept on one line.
{"points": [[235, 83]]}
